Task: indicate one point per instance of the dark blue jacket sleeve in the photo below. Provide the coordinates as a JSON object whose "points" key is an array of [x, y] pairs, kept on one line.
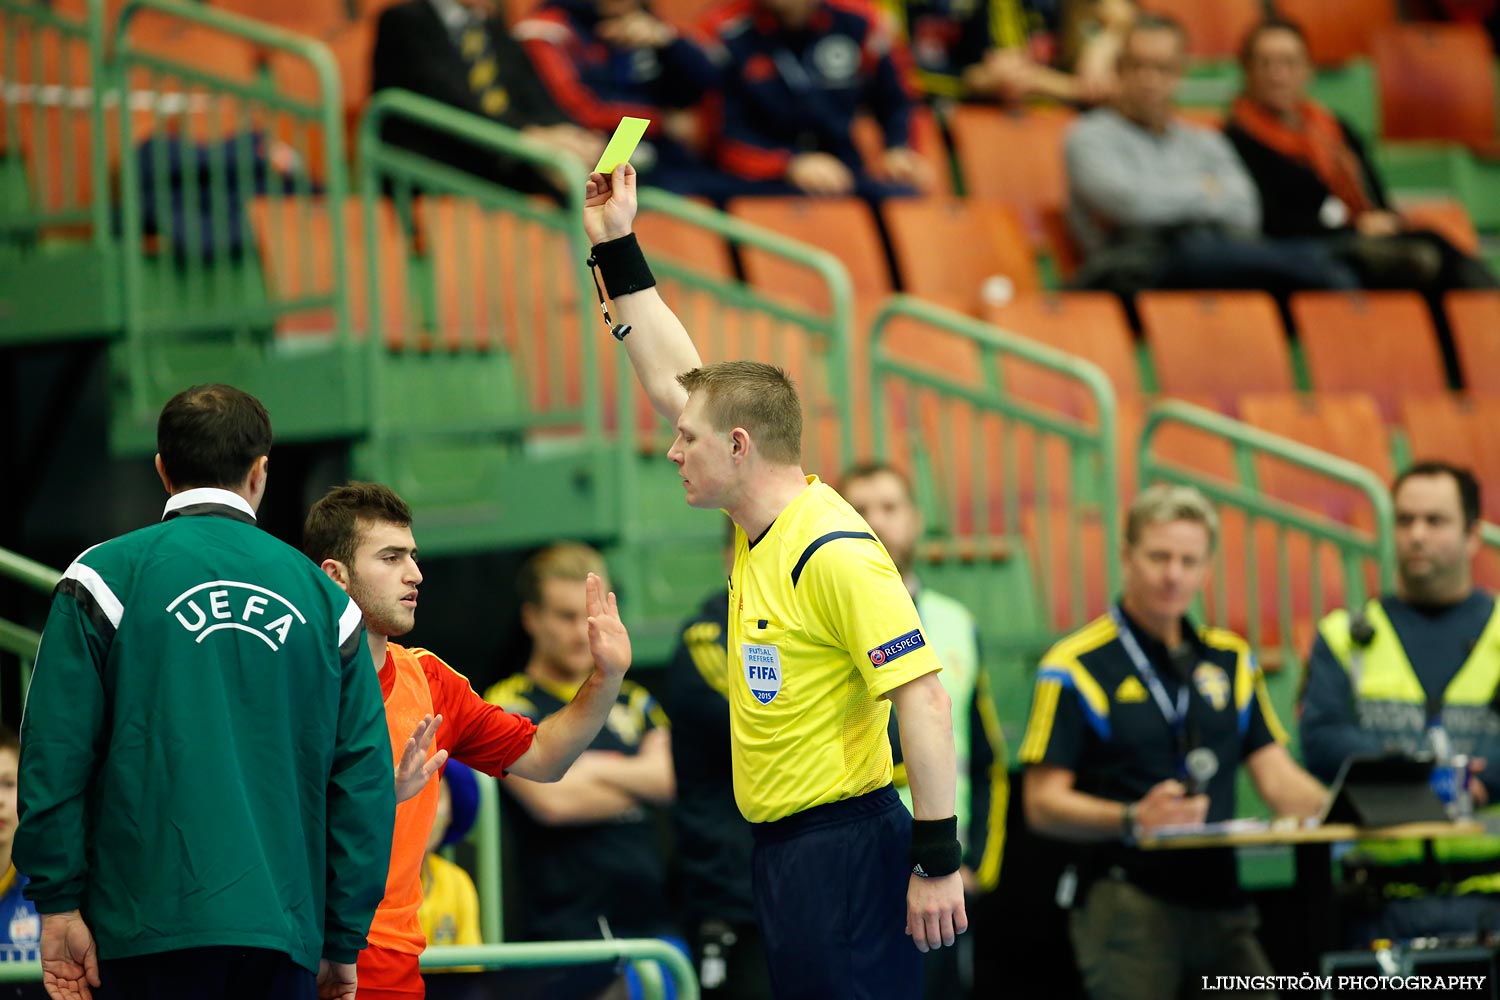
{"points": [[1329, 727]]}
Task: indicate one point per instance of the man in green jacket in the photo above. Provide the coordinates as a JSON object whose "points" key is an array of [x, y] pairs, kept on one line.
{"points": [[206, 789]]}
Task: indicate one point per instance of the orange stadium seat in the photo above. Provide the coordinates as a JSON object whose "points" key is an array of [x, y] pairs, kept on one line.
{"points": [[1436, 81], [1219, 345], [1381, 343], [1445, 216], [1071, 565], [1460, 431], [1338, 30], [318, 18], [1348, 425], [996, 261], [1474, 318], [926, 139], [1174, 443], [986, 141], [685, 244], [1088, 325], [1214, 29], [843, 227], [295, 241]]}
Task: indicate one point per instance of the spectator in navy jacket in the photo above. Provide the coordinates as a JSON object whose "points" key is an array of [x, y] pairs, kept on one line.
{"points": [[795, 74], [603, 59]]}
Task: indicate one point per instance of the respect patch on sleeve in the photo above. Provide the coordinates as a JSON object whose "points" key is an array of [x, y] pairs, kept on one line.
{"points": [[897, 647]]}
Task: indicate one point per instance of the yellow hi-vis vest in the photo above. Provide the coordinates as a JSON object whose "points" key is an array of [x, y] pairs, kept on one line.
{"points": [[1390, 702]]}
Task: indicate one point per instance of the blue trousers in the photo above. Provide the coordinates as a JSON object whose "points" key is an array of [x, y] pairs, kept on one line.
{"points": [[830, 898]]}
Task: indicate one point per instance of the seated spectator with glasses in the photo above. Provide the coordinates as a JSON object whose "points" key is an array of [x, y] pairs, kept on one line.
{"points": [[1156, 202]]}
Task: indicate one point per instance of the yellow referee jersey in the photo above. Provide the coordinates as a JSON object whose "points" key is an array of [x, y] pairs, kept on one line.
{"points": [[820, 628]]}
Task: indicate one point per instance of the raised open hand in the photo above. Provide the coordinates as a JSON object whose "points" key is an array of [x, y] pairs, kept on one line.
{"points": [[608, 640], [416, 768]]}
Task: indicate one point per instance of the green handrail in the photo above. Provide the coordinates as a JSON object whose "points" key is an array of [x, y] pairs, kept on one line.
{"points": [[33, 574], [487, 869], [411, 175], [20, 81], [545, 953], [1355, 547], [975, 397], [220, 293], [15, 638], [506, 956]]}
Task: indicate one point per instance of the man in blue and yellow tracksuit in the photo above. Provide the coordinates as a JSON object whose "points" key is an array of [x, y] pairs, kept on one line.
{"points": [[795, 74], [1381, 677], [206, 789], [605, 59]]}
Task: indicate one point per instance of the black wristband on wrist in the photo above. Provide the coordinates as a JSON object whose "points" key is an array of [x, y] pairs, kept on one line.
{"points": [[935, 851], [623, 265]]}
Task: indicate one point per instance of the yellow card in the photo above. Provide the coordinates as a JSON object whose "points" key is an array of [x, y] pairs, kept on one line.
{"points": [[627, 136]]}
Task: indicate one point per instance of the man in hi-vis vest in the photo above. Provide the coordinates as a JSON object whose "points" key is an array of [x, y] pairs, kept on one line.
{"points": [[1418, 670]]}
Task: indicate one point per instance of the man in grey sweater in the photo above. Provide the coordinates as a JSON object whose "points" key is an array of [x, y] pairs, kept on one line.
{"points": [[1159, 203]]}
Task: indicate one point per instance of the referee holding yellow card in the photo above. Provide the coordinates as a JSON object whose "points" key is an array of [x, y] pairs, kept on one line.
{"points": [[823, 639]]}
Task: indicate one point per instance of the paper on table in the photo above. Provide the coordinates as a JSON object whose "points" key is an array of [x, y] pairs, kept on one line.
{"points": [[1201, 829], [627, 136]]}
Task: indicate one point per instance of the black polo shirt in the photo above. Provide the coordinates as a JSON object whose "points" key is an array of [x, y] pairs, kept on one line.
{"points": [[713, 839], [1093, 713], [570, 876]]}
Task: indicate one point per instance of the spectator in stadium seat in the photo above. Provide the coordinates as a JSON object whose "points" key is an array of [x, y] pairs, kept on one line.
{"points": [[1383, 675], [1141, 720], [603, 59], [20, 926], [1156, 202], [205, 766], [594, 866], [361, 536], [1316, 180], [461, 53], [1010, 50], [883, 497], [794, 74], [713, 841], [449, 913]]}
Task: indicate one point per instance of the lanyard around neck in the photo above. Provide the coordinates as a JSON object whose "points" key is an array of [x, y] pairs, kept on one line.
{"points": [[1176, 716]]}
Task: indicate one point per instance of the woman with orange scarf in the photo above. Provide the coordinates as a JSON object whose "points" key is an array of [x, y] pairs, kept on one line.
{"points": [[1315, 179]]}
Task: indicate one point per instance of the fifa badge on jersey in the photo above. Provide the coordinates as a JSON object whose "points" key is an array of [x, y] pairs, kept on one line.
{"points": [[897, 647], [762, 670]]}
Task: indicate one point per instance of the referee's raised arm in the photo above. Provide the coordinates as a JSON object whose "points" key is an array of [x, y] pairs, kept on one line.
{"points": [[658, 344]]}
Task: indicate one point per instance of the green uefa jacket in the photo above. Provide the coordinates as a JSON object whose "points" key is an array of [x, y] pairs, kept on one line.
{"points": [[204, 753]]}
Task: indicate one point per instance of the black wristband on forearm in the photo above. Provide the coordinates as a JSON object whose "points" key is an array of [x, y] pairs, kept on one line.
{"points": [[935, 851], [623, 265]]}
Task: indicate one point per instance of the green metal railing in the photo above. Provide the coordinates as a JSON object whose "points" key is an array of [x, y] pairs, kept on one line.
{"points": [[515, 956], [15, 638], [50, 64], [236, 114], [1281, 565], [491, 274], [955, 401]]}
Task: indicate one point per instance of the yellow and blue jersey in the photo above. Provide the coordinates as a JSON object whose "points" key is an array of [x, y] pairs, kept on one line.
{"points": [[821, 628], [1093, 714], [19, 922]]}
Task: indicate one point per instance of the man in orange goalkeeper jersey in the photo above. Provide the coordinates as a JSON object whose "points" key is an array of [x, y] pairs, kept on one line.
{"points": [[361, 535]]}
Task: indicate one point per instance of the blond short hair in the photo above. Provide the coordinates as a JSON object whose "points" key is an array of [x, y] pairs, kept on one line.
{"points": [[568, 561], [759, 397], [1168, 502]]}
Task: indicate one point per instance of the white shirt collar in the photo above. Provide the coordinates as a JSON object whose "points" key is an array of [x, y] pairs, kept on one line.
{"points": [[208, 494], [454, 15]]}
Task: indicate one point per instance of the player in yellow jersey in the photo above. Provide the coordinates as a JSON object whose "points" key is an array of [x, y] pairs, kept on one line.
{"points": [[823, 639]]}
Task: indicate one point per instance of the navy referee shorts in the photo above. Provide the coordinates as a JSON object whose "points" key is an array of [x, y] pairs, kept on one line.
{"points": [[830, 897]]}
